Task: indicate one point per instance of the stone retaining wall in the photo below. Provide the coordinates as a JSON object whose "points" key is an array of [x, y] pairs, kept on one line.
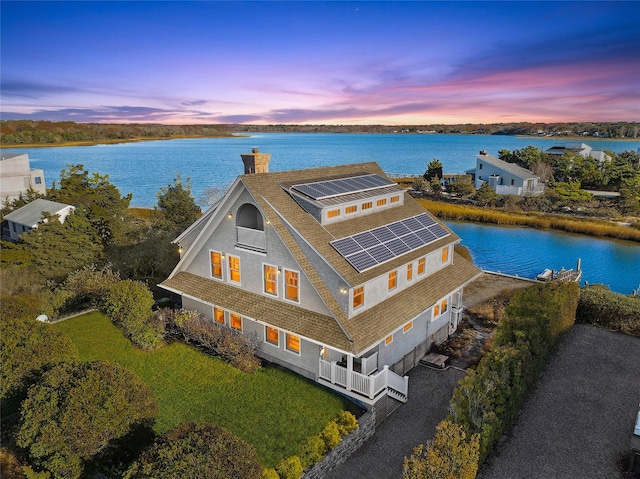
{"points": [[348, 445]]}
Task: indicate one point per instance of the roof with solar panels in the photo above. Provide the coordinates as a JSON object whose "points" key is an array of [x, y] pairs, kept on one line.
{"points": [[360, 247]]}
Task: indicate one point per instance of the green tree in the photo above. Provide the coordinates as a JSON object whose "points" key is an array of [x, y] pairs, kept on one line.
{"points": [[485, 195], [435, 185], [26, 346], [461, 186], [58, 248], [528, 156], [128, 303], [630, 195], [177, 205], [105, 207], [434, 168], [198, 451], [570, 193], [450, 455], [75, 411]]}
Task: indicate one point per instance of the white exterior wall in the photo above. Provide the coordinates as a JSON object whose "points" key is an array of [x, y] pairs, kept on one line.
{"points": [[359, 211], [16, 178]]}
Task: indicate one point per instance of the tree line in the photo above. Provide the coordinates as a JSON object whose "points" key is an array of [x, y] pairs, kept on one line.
{"points": [[28, 132]]}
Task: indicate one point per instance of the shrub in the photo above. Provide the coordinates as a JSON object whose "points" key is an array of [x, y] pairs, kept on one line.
{"points": [[87, 287], [449, 455], [197, 450], [75, 411], [221, 341], [129, 303], [270, 473], [604, 308], [26, 346], [489, 397], [331, 435], [346, 423], [311, 451], [290, 468]]}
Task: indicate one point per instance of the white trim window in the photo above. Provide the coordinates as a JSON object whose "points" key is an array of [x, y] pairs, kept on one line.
{"points": [[216, 259], [272, 335], [292, 343], [292, 285], [270, 279], [234, 269]]}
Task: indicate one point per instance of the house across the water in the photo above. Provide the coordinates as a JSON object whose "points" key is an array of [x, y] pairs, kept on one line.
{"points": [[339, 274], [504, 178]]}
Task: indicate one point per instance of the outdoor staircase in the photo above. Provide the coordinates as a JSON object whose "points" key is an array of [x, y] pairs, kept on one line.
{"points": [[397, 395]]}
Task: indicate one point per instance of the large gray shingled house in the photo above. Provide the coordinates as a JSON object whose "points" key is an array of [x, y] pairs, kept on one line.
{"points": [[339, 274]]}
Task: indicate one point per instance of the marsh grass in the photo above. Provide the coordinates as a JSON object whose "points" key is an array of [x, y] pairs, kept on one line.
{"points": [[274, 410], [535, 220]]}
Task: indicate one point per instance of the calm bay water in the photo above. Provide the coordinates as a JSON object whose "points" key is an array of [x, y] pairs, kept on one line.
{"points": [[526, 252], [143, 168]]}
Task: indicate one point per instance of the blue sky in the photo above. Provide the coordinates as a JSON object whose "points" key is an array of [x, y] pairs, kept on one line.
{"points": [[320, 62]]}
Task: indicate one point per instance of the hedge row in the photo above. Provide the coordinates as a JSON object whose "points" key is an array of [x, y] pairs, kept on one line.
{"points": [[601, 307], [488, 398], [314, 448], [193, 328]]}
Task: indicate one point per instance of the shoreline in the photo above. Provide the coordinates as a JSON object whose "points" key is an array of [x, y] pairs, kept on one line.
{"points": [[585, 226], [112, 141]]}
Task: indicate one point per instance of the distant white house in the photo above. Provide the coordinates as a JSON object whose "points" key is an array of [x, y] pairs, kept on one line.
{"points": [[17, 177], [26, 218], [505, 178], [579, 148]]}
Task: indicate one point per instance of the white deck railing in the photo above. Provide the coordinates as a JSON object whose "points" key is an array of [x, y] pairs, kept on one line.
{"points": [[369, 386]]}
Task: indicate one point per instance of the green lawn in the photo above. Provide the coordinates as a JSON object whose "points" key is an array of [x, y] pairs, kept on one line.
{"points": [[272, 409]]}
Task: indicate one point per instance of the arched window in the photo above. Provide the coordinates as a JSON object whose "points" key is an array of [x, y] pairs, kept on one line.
{"points": [[249, 217]]}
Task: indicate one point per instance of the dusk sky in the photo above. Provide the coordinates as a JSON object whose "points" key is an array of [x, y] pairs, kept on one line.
{"points": [[329, 62]]}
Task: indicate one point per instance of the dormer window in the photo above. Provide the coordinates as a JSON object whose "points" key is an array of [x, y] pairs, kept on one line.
{"points": [[250, 228]]}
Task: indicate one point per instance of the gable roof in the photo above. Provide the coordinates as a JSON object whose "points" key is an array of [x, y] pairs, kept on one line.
{"points": [[510, 167], [355, 335], [297, 229], [31, 213]]}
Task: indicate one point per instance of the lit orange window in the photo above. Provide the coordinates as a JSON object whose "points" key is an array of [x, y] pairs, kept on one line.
{"points": [[218, 315], [436, 310], [409, 272], [351, 209], [358, 297], [407, 326], [395, 199], [443, 306], [393, 280], [236, 321], [381, 202], [293, 343], [388, 339], [271, 279], [367, 205], [333, 213], [272, 335], [445, 254], [292, 287], [234, 269], [421, 263], [216, 265]]}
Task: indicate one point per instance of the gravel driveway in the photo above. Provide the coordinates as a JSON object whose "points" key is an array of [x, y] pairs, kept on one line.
{"points": [[413, 423], [578, 421]]}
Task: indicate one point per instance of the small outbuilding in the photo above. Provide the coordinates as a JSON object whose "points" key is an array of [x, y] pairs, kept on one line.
{"points": [[26, 218]]}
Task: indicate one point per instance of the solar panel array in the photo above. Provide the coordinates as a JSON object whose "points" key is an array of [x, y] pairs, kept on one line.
{"points": [[371, 248], [342, 186]]}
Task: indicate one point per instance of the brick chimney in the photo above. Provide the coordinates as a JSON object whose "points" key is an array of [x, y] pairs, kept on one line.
{"points": [[256, 162]]}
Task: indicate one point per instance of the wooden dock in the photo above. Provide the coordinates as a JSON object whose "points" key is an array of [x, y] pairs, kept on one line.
{"points": [[573, 275]]}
